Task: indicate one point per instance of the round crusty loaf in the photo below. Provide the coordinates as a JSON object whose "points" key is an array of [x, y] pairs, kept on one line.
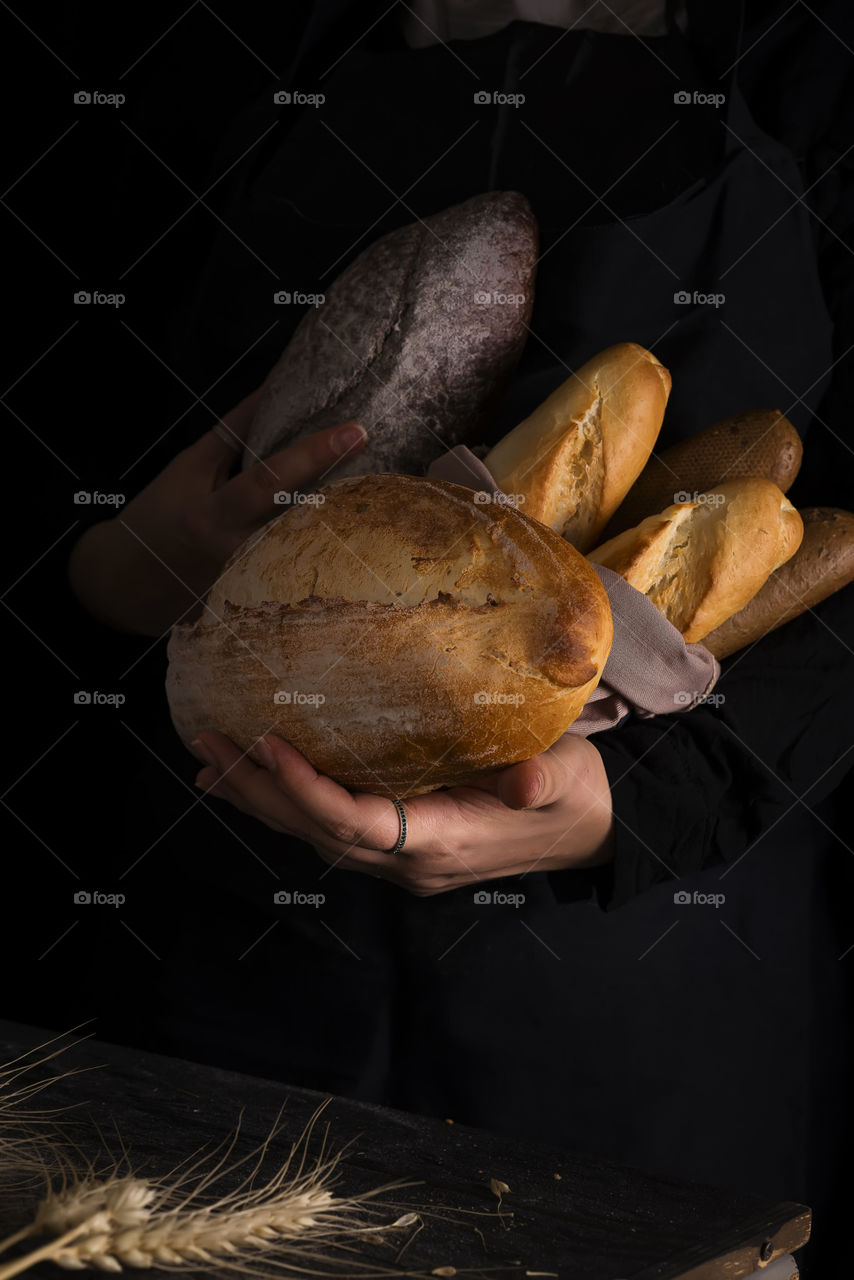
{"points": [[576, 455], [415, 341], [399, 633], [822, 564], [700, 562], [755, 442]]}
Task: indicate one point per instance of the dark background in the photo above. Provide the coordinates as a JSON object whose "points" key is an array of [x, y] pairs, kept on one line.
{"points": [[103, 198]]}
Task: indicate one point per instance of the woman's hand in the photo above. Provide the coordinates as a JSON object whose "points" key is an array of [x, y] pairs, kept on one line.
{"points": [[545, 814], [155, 561]]}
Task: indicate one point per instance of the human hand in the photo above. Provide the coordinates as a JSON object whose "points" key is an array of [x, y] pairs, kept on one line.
{"points": [[546, 814], [155, 561]]}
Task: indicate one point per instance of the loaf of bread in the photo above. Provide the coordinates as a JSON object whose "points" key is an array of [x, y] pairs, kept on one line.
{"points": [[700, 562], [756, 442], [822, 564], [574, 459], [401, 634], [415, 341]]}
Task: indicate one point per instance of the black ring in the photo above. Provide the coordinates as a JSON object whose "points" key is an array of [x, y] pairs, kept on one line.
{"points": [[401, 840]]}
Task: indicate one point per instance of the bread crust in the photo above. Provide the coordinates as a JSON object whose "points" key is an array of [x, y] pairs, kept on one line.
{"points": [[405, 343], [448, 637], [700, 562], [755, 442], [822, 564], [577, 455]]}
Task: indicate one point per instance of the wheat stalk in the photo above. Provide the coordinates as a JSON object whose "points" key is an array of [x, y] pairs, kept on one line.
{"points": [[122, 1220]]}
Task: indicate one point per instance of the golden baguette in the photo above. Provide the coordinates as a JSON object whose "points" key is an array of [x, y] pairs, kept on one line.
{"points": [[574, 459], [756, 442], [699, 562], [822, 564]]}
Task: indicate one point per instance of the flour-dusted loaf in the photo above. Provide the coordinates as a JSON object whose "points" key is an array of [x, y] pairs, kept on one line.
{"points": [[574, 459], [755, 442], [415, 341], [402, 634], [700, 562], [822, 564]]}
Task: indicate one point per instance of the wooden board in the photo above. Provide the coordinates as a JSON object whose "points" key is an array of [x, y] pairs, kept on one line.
{"points": [[566, 1213]]}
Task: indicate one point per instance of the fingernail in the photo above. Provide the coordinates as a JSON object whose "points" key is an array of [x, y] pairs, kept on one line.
{"points": [[265, 755], [204, 751], [536, 794], [346, 438]]}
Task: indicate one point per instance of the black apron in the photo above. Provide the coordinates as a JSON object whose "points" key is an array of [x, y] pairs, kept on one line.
{"points": [[652, 1038]]}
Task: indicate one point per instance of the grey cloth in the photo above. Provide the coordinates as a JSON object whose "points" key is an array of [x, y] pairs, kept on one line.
{"points": [[650, 669]]}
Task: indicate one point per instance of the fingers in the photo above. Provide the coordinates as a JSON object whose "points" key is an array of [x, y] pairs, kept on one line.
{"points": [[247, 500], [221, 445], [369, 821]]}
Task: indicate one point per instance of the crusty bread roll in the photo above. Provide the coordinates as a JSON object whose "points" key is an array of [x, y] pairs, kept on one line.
{"points": [[415, 341], [755, 442], [822, 564], [577, 455], [415, 637], [700, 562]]}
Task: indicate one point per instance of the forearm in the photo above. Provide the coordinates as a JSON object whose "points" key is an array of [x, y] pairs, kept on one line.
{"points": [[124, 584]]}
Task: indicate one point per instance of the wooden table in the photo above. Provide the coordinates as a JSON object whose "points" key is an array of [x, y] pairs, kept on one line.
{"points": [[566, 1213]]}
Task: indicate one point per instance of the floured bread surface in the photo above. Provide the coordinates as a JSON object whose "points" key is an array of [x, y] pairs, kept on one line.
{"points": [[577, 455], [414, 637], [700, 562]]}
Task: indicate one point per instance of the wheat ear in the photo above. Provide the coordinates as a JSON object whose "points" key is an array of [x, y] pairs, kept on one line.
{"points": [[118, 1221]]}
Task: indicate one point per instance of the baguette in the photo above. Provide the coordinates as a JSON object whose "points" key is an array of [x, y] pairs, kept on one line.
{"points": [[822, 564], [415, 340], [400, 634], [575, 457], [700, 562], [756, 442]]}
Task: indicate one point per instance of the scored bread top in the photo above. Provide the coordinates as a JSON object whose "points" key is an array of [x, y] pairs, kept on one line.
{"points": [[399, 541], [700, 562], [575, 457]]}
